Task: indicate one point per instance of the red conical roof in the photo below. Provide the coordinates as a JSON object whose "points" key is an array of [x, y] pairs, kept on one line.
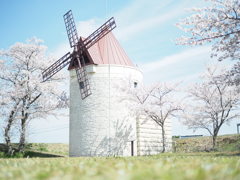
{"points": [[108, 51]]}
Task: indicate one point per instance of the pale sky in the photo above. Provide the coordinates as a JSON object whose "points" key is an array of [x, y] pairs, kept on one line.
{"points": [[146, 30]]}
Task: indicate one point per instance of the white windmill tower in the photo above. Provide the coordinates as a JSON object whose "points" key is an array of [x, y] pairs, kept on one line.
{"points": [[100, 125]]}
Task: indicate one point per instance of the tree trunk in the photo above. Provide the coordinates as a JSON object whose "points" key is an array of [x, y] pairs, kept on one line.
{"points": [[8, 138], [163, 139], [22, 140], [214, 137], [7, 129]]}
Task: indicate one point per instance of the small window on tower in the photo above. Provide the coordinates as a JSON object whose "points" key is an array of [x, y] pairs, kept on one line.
{"points": [[135, 84], [81, 84]]}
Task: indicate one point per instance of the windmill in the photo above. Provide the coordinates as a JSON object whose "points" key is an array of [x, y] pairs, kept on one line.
{"points": [[103, 124], [79, 57]]}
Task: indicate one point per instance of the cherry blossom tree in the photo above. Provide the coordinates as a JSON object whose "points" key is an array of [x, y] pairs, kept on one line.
{"points": [[213, 103], [23, 95], [162, 106], [137, 97], [155, 103], [219, 25]]}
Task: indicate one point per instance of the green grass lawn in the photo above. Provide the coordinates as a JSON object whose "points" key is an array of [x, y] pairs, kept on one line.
{"points": [[183, 165], [197, 166]]}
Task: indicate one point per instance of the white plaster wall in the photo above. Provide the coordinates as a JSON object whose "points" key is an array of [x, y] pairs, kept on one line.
{"points": [[149, 136], [99, 125]]}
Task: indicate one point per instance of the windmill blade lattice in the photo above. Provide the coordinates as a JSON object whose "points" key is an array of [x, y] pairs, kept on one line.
{"points": [[56, 67], [80, 69], [99, 33], [83, 82], [71, 28]]}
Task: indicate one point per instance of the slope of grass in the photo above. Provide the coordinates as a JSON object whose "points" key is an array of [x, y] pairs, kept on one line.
{"points": [[37, 150], [53, 148], [167, 167], [225, 143]]}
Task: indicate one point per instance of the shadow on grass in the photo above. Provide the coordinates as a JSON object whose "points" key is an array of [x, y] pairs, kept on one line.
{"points": [[27, 153], [228, 154], [34, 154], [3, 147]]}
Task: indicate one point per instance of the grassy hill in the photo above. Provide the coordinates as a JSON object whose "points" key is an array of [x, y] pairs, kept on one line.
{"points": [[39, 150], [53, 148], [225, 143]]}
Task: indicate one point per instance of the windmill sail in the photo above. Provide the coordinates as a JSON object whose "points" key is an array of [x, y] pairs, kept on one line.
{"points": [[99, 33], [77, 56], [82, 78], [71, 28], [56, 67]]}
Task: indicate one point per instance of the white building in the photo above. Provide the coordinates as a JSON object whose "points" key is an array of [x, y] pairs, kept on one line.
{"points": [[102, 124]]}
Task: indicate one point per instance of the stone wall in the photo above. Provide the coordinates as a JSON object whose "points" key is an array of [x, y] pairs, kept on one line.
{"points": [[149, 136]]}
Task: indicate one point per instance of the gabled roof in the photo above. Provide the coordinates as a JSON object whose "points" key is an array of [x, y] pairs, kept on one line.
{"points": [[106, 51]]}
